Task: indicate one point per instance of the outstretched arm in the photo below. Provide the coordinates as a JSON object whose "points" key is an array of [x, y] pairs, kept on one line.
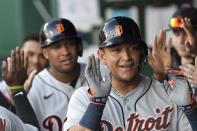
{"points": [[98, 91], [14, 72]]}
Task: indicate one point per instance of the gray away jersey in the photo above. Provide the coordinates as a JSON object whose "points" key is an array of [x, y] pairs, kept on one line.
{"points": [[10, 122], [146, 108], [49, 99], [4, 89]]}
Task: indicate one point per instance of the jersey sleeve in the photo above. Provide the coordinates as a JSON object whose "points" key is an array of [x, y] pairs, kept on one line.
{"points": [[76, 108], [10, 122]]}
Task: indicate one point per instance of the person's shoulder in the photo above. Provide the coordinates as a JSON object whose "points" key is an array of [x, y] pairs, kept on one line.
{"points": [[12, 122], [145, 78], [82, 69], [153, 84], [41, 77], [3, 83], [42, 73]]}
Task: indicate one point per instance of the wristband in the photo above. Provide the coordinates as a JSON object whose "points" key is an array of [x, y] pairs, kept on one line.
{"points": [[98, 100], [16, 89], [188, 108]]}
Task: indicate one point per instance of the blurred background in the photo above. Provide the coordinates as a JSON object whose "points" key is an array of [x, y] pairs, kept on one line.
{"points": [[21, 17]]}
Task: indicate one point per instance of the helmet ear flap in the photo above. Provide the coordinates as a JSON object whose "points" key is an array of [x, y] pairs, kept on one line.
{"points": [[80, 47]]}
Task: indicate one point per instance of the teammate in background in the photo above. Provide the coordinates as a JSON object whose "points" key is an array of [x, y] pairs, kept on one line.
{"points": [[10, 122], [185, 42], [14, 72], [161, 60], [181, 37], [37, 62], [52, 88], [130, 101], [182, 51]]}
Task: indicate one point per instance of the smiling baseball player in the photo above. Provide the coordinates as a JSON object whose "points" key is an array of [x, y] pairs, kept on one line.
{"points": [[129, 101], [52, 88]]}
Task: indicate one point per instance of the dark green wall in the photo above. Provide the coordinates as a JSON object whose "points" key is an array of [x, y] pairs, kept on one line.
{"points": [[10, 24], [17, 19]]}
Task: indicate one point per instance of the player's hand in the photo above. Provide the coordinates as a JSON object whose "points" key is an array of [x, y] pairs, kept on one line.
{"points": [[190, 71], [28, 82], [14, 69], [160, 57], [191, 43], [98, 87]]}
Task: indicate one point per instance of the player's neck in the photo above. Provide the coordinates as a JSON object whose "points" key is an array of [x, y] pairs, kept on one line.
{"points": [[65, 77], [126, 87], [186, 60]]}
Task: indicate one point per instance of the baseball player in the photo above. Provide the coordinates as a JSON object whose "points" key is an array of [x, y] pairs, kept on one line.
{"points": [[126, 100], [32, 48], [10, 122], [183, 43], [14, 72], [52, 88]]}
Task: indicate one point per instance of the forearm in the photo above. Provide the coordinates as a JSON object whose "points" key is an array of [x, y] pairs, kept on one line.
{"points": [[24, 109]]}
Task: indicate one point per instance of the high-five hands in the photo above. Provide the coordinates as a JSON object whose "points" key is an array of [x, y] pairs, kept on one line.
{"points": [[14, 71], [98, 86], [159, 57]]}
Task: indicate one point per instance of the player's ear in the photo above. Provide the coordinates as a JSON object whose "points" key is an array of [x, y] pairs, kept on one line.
{"points": [[45, 53], [101, 55]]}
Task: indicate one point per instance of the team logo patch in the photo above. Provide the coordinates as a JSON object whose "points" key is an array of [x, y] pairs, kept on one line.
{"points": [[60, 27], [115, 32]]}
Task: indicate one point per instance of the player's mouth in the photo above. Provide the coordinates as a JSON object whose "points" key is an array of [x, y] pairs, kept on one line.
{"points": [[127, 66], [66, 61], [182, 48]]}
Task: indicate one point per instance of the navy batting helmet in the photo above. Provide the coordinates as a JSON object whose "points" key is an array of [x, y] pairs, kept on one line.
{"points": [[118, 30], [57, 30]]}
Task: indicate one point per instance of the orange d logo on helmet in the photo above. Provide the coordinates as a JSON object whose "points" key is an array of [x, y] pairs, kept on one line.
{"points": [[60, 27], [116, 31]]}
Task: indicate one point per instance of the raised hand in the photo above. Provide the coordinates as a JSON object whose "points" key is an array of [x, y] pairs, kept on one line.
{"points": [[29, 80], [191, 43], [98, 86], [14, 69], [190, 71], [160, 57]]}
